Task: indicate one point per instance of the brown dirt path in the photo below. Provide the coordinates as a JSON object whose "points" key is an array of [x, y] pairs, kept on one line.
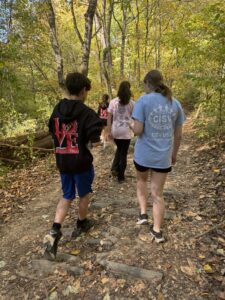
{"points": [[182, 260]]}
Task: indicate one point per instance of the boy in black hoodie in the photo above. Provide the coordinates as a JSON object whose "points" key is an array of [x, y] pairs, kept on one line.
{"points": [[73, 125]]}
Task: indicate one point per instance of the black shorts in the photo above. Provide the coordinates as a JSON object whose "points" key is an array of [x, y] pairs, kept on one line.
{"points": [[104, 122], [144, 169]]}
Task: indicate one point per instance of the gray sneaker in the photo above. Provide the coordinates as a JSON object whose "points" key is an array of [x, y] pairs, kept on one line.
{"points": [[157, 236], [50, 243]]}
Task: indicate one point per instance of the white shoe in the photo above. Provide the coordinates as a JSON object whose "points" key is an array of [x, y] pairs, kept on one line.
{"points": [[142, 219]]}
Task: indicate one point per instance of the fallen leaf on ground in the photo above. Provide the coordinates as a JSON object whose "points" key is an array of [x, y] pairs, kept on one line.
{"points": [[221, 295], [220, 252], [75, 252], [144, 237], [72, 289], [2, 263], [121, 282], [187, 270], [191, 214], [95, 233], [208, 269], [140, 286], [221, 240], [160, 296], [5, 273], [53, 289], [105, 280], [106, 297], [53, 296]]}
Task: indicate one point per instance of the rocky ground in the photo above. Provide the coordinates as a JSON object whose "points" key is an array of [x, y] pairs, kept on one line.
{"points": [[117, 259]]}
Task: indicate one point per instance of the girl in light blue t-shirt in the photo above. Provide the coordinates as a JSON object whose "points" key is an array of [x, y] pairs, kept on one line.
{"points": [[158, 119]]}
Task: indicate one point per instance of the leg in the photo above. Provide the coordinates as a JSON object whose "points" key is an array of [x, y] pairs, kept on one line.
{"points": [[83, 184], [124, 146], [62, 210], [142, 193], [83, 206], [84, 187], [157, 183], [104, 134], [68, 187], [115, 164], [83, 224], [51, 240]]}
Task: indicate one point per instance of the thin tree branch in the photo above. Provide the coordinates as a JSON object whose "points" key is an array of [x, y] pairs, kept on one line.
{"points": [[96, 32], [75, 23], [45, 77], [120, 27], [55, 44]]}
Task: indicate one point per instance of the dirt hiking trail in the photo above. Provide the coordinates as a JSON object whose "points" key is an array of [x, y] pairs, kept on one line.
{"points": [[117, 259]]}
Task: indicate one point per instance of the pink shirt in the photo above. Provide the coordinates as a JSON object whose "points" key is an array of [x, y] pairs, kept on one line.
{"points": [[121, 119]]}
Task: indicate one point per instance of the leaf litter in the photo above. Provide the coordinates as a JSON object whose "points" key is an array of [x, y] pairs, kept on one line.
{"points": [[194, 250]]}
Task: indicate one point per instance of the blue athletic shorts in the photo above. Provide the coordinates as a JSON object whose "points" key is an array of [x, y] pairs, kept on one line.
{"points": [[81, 182]]}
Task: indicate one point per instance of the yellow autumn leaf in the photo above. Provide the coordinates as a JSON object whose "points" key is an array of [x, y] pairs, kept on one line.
{"points": [[53, 289], [208, 268], [221, 241], [216, 170], [75, 252]]}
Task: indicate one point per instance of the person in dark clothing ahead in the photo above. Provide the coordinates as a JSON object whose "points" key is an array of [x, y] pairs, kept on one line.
{"points": [[73, 125]]}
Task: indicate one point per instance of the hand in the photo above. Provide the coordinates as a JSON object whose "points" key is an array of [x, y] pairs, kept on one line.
{"points": [[174, 159], [95, 144], [131, 125], [109, 137]]}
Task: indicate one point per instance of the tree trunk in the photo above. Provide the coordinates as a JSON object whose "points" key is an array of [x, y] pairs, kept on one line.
{"points": [[138, 73], [157, 34], [106, 73], [107, 54], [146, 31], [89, 16], [108, 34], [123, 40], [160, 33], [75, 23], [55, 44], [98, 44]]}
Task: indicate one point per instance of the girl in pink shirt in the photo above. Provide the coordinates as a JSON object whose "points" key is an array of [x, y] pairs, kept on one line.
{"points": [[119, 128]]}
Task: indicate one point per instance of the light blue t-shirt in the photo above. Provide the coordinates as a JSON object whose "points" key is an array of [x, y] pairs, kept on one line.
{"points": [[153, 148]]}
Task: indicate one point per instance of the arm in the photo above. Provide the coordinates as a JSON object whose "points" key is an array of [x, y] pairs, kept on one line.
{"points": [[176, 142], [98, 112], [109, 125], [50, 126], [93, 128], [138, 127], [96, 144]]}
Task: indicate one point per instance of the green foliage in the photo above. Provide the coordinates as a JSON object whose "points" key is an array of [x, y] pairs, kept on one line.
{"points": [[3, 171], [8, 117], [184, 39]]}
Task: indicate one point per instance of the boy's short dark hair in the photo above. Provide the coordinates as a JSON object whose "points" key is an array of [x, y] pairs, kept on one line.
{"points": [[75, 82]]}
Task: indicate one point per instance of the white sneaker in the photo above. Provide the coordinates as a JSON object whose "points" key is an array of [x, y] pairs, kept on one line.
{"points": [[142, 219]]}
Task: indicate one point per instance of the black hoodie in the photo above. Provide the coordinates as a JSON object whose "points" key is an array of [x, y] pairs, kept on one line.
{"points": [[72, 125]]}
